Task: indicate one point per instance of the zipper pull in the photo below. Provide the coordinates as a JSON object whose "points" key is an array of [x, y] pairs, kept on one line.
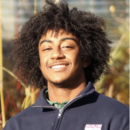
{"points": [[60, 112]]}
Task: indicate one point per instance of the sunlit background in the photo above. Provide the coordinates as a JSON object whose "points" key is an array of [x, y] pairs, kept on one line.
{"points": [[14, 13]]}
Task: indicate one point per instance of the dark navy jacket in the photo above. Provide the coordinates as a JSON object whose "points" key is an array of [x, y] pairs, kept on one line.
{"points": [[89, 109]]}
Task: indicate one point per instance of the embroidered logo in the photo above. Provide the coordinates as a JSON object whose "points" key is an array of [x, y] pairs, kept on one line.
{"points": [[93, 127]]}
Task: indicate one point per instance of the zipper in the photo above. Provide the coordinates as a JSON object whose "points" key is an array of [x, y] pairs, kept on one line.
{"points": [[62, 110], [45, 107], [71, 101]]}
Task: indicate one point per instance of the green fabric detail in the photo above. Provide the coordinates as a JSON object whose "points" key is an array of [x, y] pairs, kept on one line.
{"points": [[56, 104]]}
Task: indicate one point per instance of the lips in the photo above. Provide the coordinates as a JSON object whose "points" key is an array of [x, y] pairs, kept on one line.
{"points": [[58, 64]]}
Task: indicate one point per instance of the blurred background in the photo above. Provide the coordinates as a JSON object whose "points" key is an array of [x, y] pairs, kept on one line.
{"points": [[14, 13]]}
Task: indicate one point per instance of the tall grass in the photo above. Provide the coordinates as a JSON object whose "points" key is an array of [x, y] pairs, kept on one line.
{"points": [[1, 74]]}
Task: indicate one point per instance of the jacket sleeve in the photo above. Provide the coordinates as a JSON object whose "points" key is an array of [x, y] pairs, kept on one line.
{"points": [[11, 125]]}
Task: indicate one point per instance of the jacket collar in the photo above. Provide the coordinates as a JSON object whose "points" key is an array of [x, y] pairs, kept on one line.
{"points": [[41, 101], [89, 89]]}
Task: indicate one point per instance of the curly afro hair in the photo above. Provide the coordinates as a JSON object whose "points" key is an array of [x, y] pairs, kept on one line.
{"points": [[88, 28]]}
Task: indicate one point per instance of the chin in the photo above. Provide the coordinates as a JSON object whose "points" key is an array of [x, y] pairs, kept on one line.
{"points": [[58, 79], [59, 82]]}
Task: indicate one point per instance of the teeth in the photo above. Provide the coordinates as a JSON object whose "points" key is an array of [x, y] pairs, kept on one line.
{"points": [[58, 66]]}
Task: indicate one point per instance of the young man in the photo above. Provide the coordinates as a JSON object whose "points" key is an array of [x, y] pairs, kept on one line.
{"points": [[67, 51]]}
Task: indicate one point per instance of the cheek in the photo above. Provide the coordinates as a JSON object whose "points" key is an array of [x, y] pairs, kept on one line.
{"points": [[76, 58], [43, 67], [43, 62]]}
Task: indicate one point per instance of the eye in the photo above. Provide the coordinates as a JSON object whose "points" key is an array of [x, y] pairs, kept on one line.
{"points": [[67, 47], [46, 49]]}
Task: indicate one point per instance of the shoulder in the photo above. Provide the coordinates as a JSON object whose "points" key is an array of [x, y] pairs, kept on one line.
{"points": [[14, 122], [108, 106], [111, 104], [116, 112]]}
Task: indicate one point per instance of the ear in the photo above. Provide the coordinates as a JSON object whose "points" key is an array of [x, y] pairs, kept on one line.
{"points": [[86, 63]]}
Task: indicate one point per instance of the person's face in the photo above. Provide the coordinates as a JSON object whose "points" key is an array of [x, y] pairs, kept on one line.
{"points": [[60, 59]]}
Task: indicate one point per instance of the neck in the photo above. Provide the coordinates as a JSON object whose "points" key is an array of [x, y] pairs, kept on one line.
{"points": [[60, 93]]}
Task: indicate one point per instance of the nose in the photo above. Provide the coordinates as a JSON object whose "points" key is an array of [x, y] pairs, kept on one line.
{"points": [[57, 54]]}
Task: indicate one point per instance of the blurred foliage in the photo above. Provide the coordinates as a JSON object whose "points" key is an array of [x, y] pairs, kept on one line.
{"points": [[116, 84]]}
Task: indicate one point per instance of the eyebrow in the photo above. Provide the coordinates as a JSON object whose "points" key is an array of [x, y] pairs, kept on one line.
{"points": [[62, 39]]}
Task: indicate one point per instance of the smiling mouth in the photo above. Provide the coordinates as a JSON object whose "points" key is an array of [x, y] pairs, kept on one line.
{"points": [[58, 67]]}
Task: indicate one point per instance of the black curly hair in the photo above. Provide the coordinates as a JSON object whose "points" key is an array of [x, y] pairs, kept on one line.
{"points": [[88, 28]]}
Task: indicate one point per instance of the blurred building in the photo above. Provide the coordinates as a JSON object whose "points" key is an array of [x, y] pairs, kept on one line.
{"points": [[16, 12]]}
